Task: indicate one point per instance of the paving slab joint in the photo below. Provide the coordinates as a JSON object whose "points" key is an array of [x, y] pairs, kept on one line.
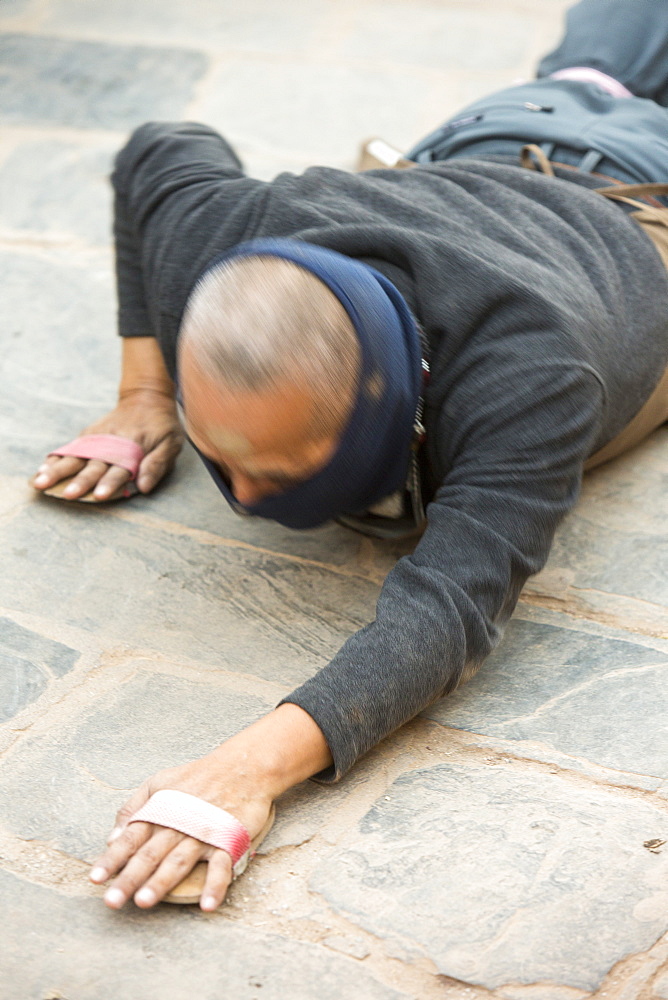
{"points": [[276, 892], [639, 617], [22, 239], [633, 976], [203, 537], [579, 771], [39, 863]]}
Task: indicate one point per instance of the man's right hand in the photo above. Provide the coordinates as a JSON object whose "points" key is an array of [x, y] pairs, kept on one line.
{"points": [[146, 416]]}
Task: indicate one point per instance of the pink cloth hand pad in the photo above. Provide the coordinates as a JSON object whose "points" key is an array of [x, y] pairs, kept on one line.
{"points": [[109, 448], [201, 820]]}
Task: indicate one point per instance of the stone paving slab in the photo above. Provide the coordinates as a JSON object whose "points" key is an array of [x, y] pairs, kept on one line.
{"points": [[28, 661], [549, 878], [54, 657], [11, 9], [51, 81], [66, 947], [75, 308], [594, 697], [256, 25], [619, 524], [352, 104], [84, 768], [58, 188], [68, 388], [243, 610], [437, 37], [21, 682]]}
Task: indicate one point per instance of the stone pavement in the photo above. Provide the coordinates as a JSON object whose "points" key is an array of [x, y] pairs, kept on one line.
{"points": [[511, 842]]}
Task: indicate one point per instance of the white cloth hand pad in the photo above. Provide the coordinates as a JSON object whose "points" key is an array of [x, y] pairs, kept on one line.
{"points": [[201, 820]]}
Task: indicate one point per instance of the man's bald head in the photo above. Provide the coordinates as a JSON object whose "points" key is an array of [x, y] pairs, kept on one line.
{"points": [[257, 322]]}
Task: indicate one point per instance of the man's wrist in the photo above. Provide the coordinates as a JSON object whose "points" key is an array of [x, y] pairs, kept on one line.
{"points": [[157, 392], [143, 370], [282, 749]]}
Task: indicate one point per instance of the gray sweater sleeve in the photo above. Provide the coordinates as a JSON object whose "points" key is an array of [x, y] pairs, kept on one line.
{"points": [[517, 453], [174, 182]]}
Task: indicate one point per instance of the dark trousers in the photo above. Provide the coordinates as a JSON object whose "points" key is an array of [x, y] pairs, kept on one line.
{"points": [[626, 39], [574, 122]]}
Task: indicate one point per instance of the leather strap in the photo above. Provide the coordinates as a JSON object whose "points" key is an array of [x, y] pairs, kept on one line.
{"points": [[622, 192], [635, 189], [532, 154]]}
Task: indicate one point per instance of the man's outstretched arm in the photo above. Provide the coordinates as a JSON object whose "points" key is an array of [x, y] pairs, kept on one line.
{"points": [[171, 181], [243, 776]]}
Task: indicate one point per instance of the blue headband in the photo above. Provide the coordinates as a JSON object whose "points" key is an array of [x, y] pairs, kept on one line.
{"points": [[372, 457]]}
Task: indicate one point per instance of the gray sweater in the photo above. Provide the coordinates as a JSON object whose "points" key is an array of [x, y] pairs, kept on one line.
{"points": [[546, 311]]}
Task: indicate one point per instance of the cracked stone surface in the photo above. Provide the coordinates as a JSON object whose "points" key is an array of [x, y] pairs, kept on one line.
{"points": [[573, 888], [179, 595], [84, 770], [51, 81], [82, 951], [511, 843], [58, 189], [28, 661], [586, 695]]}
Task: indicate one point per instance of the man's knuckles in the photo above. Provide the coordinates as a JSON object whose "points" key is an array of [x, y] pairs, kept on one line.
{"points": [[185, 856], [153, 853], [129, 840]]}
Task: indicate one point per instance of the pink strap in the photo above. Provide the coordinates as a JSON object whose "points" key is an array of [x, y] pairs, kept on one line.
{"points": [[589, 75], [201, 820], [107, 448]]}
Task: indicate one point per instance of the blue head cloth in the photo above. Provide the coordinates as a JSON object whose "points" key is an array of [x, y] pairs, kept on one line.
{"points": [[371, 460]]}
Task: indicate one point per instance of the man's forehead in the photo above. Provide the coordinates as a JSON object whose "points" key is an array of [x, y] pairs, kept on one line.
{"points": [[242, 423], [227, 441]]}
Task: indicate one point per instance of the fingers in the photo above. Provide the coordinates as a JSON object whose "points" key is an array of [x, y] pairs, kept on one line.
{"points": [[218, 880], [157, 463], [55, 468], [138, 798], [155, 869], [94, 475], [120, 850], [137, 852], [176, 865], [87, 476], [87, 479], [153, 861], [112, 480]]}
